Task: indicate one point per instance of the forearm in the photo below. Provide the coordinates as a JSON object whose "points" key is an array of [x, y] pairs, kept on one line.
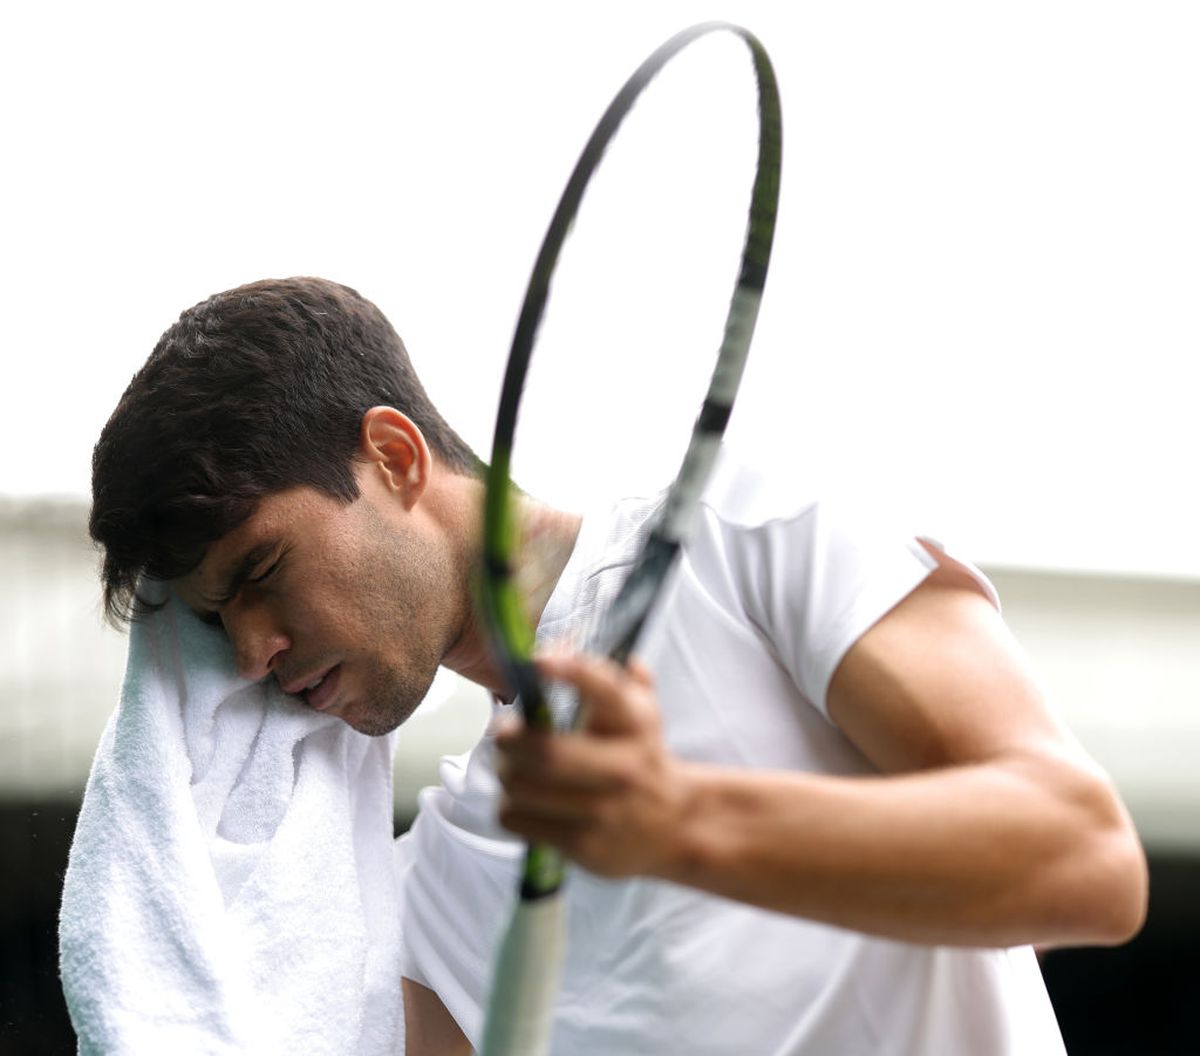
{"points": [[1000, 853], [989, 827]]}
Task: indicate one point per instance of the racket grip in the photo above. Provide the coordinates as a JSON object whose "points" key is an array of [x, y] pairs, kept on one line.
{"points": [[525, 982]]}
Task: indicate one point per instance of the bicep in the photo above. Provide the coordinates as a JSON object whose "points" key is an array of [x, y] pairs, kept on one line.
{"points": [[940, 681]]}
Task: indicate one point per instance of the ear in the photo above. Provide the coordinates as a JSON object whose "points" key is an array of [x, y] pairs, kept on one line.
{"points": [[392, 445]]}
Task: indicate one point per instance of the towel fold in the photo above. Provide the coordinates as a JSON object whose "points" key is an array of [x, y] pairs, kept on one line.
{"points": [[232, 885]]}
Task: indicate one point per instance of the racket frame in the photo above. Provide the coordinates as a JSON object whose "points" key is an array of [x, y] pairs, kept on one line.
{"points": [[514, 1012]]}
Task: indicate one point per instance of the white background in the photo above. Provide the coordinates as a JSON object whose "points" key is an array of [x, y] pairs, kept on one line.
{"points": [[982, 312]]}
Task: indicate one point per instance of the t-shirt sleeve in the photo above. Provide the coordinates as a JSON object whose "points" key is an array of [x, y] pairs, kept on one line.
{"points": [[816, 581]]}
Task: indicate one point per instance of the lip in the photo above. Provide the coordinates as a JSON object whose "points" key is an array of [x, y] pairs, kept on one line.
{"points": [[296, 687], [323, 697]]}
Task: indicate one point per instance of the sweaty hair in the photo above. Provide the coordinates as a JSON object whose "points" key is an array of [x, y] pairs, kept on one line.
{"points": [[251, 392]]}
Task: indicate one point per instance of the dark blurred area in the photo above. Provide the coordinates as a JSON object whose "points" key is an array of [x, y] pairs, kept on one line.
{"points": [[1140, 999], [34, 841], [1135, 1000]]}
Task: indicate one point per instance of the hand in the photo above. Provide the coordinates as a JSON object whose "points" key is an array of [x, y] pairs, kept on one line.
{"points": [[608, 795]]}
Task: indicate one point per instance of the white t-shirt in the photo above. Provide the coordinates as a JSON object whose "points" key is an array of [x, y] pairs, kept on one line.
{"points": [[768, 597]]}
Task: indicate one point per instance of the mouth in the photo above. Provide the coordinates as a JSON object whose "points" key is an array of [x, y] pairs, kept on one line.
{"points": [[320, 693]]}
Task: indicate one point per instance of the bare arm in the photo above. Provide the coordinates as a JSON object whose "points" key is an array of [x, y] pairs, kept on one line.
{"points": [[988, 826], [429, 1029]]}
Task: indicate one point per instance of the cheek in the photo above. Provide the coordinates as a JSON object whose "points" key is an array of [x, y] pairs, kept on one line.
{"points": [[315, 612]]}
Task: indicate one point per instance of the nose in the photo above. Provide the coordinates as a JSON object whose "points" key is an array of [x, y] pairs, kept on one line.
{"points": [[258, 643]]}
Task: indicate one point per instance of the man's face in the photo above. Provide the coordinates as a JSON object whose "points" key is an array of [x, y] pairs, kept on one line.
{"points": [[350, 607]]}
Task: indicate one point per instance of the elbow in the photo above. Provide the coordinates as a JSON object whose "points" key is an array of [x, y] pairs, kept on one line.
{"points": [[1123, 863], [1106, 900]]}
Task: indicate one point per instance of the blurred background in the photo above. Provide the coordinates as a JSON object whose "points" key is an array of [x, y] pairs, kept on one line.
{"points": [[981, 318]]}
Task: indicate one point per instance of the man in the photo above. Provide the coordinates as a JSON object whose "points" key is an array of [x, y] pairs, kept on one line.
{"points": [[834, 791]]}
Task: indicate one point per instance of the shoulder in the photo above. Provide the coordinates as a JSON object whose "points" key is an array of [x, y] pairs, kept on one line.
{"points": [[811, 575], [772, 531], [750, 516], [740, 496]]}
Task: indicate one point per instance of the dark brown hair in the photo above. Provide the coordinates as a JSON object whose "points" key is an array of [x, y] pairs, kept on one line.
{"points": [[252, 391]]}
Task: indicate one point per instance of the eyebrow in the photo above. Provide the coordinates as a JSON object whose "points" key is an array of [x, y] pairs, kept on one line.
{"points": [[241, 572]]}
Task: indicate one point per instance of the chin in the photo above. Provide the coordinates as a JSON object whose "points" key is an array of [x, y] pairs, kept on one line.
{"points": [[381, 721], [372, 725]]}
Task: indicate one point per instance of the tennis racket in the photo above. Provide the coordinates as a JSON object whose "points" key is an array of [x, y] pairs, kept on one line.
{"points": [[525, 979]]}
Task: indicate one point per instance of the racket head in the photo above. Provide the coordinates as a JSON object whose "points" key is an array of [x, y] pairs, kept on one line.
{"points": [[500, 603]]}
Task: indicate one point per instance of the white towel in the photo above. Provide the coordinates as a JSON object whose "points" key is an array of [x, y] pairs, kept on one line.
{"points": [[232, 886]]}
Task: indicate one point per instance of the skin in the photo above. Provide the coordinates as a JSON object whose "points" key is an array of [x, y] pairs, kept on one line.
{"points": [[429, 1030], [987, 826], [990, 826], [378, 589]]}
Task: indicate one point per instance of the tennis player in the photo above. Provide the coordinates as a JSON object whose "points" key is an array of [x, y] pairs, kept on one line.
{"points": [[829, 809]]}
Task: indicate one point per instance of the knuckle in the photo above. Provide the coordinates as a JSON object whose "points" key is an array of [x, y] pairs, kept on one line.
{"points": [[624, 773], [608, 819]]}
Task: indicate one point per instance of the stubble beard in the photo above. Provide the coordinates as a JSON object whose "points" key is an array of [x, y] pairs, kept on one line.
{"points": [[393, 696], [409, 602]]}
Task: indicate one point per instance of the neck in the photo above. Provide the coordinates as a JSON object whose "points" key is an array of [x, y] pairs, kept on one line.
{"points": [[546, 539]]}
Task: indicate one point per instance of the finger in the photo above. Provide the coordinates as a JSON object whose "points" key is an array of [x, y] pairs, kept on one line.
{"points": [[586, 671], [564, 835], [584, 843], [641, 672], [575, 761], [614, 700], [526, 796]]}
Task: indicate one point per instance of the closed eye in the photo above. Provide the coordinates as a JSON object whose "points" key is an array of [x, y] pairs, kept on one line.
{"points": [[265, 575]]}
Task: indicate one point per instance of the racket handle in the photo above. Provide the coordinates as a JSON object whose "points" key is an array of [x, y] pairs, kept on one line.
{"points": [[525, 983]]}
